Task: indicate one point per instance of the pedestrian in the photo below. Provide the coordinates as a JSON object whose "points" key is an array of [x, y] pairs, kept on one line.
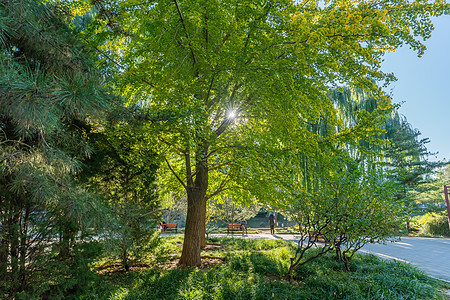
{"points": [[243, 226], [163, 225], [272, 223]]}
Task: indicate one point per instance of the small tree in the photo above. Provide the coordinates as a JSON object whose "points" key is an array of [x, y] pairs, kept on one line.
{"points": [[123, 169], [348, 210]]}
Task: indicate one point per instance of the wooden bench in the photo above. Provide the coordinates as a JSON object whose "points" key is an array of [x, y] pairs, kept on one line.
{"points": [[236, 227], [171, 227], [317, 236]]}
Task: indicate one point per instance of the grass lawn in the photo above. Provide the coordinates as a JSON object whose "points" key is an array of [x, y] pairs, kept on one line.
{"points": [[256, 269]]}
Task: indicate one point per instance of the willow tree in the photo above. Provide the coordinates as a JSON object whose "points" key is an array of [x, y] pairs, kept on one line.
{"points": [[235, 80]]}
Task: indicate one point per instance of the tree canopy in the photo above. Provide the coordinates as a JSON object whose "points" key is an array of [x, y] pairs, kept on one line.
{"points": [[233, 86]]}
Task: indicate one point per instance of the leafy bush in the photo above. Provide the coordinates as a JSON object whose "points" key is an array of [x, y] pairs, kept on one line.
{"points": [[347, 210], [435, 224]]}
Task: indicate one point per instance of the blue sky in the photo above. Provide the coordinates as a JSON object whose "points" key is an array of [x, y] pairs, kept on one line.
{"points": [[423, 85]]}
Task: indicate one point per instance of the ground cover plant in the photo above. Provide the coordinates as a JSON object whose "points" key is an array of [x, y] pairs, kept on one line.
{"points": [[236, 268]]}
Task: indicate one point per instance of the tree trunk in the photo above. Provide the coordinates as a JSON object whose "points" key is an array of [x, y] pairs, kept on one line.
{"points": [[4, 247], [190, 255], [125, 263], [23, 248], [203, 225], [14, 253], [196, 192]]}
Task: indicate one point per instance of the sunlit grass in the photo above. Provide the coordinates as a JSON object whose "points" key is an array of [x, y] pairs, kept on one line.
{"points": [[256, 269]]}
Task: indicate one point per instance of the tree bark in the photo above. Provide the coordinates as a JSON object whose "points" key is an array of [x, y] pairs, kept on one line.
{"points": [[196, 192], [4, 246], [14, 253], [203, 225], [190, 255], [23, 248]]}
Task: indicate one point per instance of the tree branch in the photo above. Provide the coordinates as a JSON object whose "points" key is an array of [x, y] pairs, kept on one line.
{"points": [[174, 173], [189, 175], [224, 147], [181, 151], [228, 121], [119, 65], [194, 58], [220, 189], [208, 103], [223, 42]]}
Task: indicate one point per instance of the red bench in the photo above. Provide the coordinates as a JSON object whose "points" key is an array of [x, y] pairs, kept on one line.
{"points": [[171, 227], [317, 236], [236, 227]]}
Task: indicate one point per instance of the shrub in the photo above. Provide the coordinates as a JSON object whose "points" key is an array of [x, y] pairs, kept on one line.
{"points": [[435, 224]]}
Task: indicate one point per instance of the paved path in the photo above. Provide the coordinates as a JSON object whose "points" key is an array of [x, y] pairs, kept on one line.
{"points": [[432, 255]]}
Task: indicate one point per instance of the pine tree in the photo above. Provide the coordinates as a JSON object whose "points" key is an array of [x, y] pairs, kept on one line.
{"points": [[407, 158], [47, 85]]}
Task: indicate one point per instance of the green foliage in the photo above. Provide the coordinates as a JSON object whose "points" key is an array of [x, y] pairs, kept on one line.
{"points": [[226, 210], [48, 86], [256, 274], [251, 244], [348, 208], [431, 193], [407, 157], [191, 63], [435, 224], [123, 170]]}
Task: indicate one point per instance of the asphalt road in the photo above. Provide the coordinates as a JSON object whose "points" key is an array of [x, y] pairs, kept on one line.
{"points": [[431, 255]]}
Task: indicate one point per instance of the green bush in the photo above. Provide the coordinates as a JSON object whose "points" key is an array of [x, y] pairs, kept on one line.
{"points": [[435, 224]]}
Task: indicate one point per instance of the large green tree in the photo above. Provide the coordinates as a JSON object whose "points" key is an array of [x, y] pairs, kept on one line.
{"points": [[236, 84], [48, 83]]}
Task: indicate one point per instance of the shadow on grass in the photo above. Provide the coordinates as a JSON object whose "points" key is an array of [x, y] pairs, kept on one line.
{"points": [[256, 270]]}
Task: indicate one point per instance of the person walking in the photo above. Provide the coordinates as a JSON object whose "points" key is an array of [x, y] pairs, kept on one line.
{"points": [[272, 223], [243, 226]]}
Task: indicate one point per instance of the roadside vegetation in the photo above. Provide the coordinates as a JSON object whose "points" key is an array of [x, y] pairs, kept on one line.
{"points": [[431, 224], [236, 268]]}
